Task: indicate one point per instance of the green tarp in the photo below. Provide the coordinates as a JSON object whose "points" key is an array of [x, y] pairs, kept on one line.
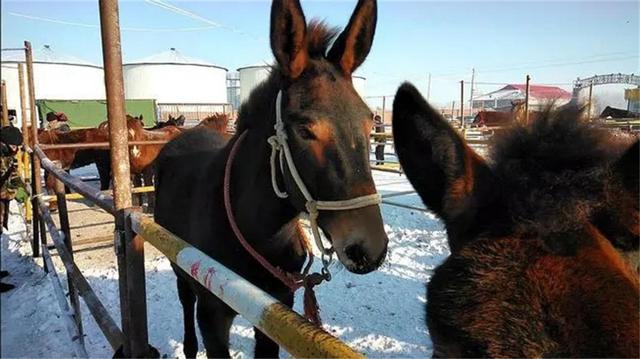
{"points": [[90, 113]]}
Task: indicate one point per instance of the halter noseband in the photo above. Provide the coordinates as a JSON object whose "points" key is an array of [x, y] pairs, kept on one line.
{"points": [[279, 144]]}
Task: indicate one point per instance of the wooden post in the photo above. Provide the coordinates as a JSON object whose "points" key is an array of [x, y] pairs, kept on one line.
{"points": [[5, 109], [26, 175], [63, 215], [473, 78], [462, 104], [36, 176], [23, 105], [130, 256], [526, 101]]}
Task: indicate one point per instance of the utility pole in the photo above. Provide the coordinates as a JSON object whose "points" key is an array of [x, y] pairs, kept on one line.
{"points": [[473, 76], [429, 87]]}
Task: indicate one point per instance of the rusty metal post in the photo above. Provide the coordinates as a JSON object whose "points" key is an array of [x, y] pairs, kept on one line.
{"points": [[5, 109], [26, 175], [36, 177], [526, 101], [130, 256], [63, 215], [23, 104]]}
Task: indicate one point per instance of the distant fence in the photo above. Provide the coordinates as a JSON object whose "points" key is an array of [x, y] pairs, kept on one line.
{"points": [[193, 113]]}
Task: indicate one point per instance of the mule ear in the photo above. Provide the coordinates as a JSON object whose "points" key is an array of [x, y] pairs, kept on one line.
{"points": [[288, 36], [353, 45], [447, 174]]}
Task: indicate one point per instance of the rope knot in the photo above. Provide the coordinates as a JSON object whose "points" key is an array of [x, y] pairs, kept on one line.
{"points": [[312, 209]]}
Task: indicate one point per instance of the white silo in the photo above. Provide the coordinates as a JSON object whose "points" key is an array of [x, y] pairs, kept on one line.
{"points": [[180, 84], [250, 77], [57, 77], [360, 84]]}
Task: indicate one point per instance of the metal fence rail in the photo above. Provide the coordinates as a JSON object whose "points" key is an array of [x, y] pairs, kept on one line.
{"points": [[286, 327]]}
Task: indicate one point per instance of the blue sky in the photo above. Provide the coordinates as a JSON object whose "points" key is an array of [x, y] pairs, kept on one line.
{"points": [[554, 42]]}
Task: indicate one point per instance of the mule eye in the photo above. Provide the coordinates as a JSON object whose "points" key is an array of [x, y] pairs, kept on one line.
{"points": [[306, 133]]}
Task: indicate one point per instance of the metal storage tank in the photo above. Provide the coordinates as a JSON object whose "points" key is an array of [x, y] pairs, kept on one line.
{"points": [[360, 84], [250, 77], [180, 84], [57, 77]]}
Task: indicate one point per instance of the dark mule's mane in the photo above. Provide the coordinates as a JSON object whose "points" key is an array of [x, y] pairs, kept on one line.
{"points": [[260, 104], [554, 174]]}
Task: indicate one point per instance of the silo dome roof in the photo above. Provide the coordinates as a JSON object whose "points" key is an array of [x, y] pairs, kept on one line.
{"points": [[173, 57], [260, 64], [46, 55]]}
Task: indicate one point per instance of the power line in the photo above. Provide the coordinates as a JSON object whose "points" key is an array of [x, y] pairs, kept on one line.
{"points": [[164, 5], [123, 28]]}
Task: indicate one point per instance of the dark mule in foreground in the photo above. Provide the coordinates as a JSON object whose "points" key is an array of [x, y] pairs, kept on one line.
{"points": [[535, 236], [327, 125]]}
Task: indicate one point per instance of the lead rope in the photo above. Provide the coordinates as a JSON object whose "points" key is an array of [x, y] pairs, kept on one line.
{"points": [[293, 281]]}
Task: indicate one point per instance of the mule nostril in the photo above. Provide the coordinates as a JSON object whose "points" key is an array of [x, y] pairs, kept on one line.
{"points": [[356, 254]]}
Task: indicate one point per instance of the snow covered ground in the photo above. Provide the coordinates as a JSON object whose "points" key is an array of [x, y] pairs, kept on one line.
{"points": [[380, 314]]}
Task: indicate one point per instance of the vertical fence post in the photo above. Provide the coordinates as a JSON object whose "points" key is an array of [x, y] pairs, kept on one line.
{"points": [[526, 101], [5, 110], [130, 252], [36, 176], [26, 163], [63, 215]]}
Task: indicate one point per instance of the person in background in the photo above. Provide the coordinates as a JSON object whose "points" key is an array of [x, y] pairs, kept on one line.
{"points": [[380, 141], [11, 185], [57, 121]]}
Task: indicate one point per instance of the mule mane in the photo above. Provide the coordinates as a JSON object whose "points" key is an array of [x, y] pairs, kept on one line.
{"points": [[554, 174], [319, 37]]}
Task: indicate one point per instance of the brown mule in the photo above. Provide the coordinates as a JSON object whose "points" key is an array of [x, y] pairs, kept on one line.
{"points": [[536, 235]]}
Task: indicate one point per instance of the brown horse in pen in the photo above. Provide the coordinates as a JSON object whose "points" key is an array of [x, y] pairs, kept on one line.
{"points": [[71, 158], [536, 235], [310, 98]]}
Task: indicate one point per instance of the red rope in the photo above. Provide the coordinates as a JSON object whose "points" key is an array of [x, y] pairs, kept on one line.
{"points": [[293, 281]]}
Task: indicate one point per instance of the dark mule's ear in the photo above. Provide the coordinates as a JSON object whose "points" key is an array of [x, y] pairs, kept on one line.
{"points": [[353, 45], [288, 36], [627, 168], [447, 174]]}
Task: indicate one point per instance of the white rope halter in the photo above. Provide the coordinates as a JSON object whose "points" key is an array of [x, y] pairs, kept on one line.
{"points": [[279, 145]]}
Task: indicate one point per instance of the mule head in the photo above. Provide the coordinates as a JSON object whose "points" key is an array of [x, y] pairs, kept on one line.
{"points": [[328, 124], [552, 179]]}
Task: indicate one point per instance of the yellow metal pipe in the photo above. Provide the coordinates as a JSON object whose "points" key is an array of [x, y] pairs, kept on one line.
{"points": [[294, 333]]}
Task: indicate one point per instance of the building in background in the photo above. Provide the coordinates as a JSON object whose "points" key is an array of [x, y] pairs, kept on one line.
{"points": [[633, 99], [539, 97], [56, 76], [181, 85]]}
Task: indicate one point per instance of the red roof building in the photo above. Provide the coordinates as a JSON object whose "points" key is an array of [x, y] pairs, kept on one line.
{"points": [[539, 97]]}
